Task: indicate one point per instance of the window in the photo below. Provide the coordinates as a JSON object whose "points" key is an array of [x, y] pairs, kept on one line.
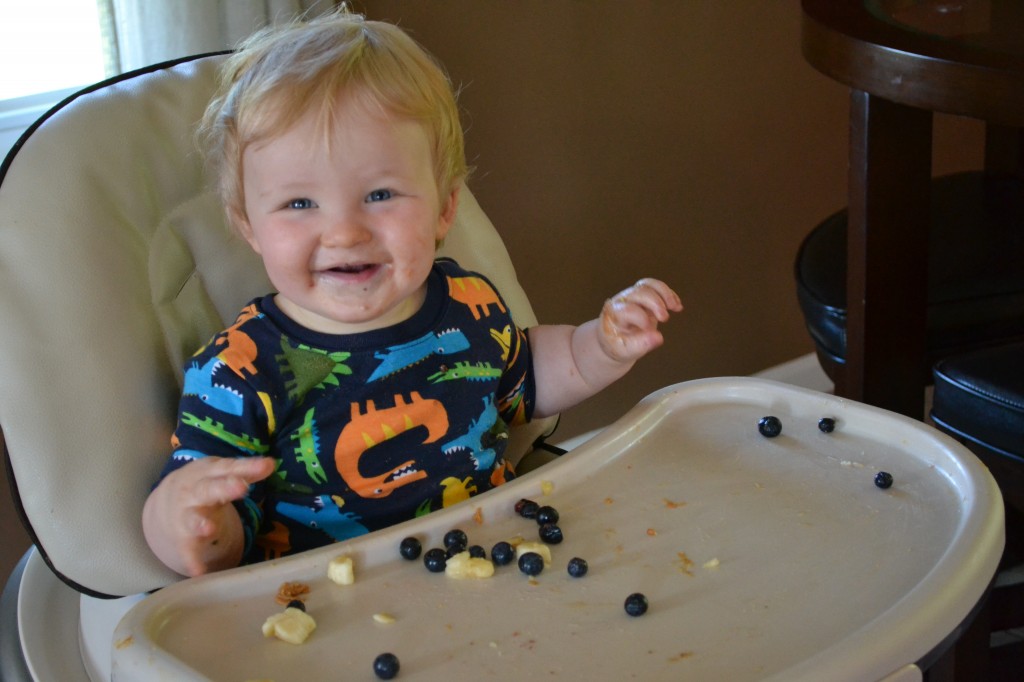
{"points": [[47, 50]]}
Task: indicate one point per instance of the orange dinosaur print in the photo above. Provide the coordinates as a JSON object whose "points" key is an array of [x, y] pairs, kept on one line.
{"points": [[498, 474], [240, 350], [475, 293], [274, 543], [371, 427]]}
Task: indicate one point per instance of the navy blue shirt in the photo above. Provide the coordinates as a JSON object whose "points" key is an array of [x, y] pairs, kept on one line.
{"points": [[367, 429]]}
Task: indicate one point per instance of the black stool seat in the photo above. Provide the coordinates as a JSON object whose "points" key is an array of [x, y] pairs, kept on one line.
{"points": [[975, 271], [979, 398]]}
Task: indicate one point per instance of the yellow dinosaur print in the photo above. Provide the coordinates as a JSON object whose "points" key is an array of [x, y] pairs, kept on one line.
{"points": [[504, 339], [475, 293], [456, 491], [371, 427]]}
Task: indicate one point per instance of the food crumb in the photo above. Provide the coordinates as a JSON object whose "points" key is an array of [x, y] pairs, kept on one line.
{"points": [[546, 487], [478, 516], [711, 564], [652, 532], [685, 563], [680, 656], [126, 642], [384, 618], [673, 505], [608, 500]]}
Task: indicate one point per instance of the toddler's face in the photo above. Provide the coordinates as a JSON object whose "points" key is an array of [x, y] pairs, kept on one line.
{"points": [[347, 233]]}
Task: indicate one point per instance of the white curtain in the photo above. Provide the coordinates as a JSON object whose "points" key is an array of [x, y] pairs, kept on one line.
{"points": [[143, 32]]}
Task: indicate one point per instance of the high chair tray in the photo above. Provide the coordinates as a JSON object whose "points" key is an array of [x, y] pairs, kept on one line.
{"points": [[761, 558]]}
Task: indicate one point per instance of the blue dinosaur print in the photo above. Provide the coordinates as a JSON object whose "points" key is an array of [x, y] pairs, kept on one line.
{"points": [[199, 382], [397, 358], [478, 440], [325, 515], [184, 455]]}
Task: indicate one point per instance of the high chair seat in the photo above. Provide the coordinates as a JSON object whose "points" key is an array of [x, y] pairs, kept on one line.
{"points": [[115, 265], [975, 280]]}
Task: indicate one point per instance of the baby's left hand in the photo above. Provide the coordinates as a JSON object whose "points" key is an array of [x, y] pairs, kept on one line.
{"points": [[629, 320]]}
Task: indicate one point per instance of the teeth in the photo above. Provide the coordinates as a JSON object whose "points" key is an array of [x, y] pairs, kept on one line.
{"points": [[229, 390], [402, 473]]}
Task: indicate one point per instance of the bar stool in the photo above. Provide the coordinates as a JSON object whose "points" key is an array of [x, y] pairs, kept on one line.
{"points": [[975, 278], [979, 400]]}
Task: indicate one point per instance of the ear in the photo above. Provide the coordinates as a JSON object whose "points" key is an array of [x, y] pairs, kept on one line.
{"points": [[242, 226], [449, 207]]}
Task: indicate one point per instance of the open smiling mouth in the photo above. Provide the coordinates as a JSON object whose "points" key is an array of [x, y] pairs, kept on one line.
{"points": [[353, 269]]}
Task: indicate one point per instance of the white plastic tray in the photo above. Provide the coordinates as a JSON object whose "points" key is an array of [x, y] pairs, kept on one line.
{"points": [[761, 558]]}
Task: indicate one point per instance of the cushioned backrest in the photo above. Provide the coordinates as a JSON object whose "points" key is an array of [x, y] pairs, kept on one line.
{"points": [[115, 264]]}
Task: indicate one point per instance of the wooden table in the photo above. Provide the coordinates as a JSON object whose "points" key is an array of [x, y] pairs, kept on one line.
{"points": [[904, 60]]}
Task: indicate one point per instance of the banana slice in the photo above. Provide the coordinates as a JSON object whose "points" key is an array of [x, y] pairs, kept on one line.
{"points": [[536, 547], [462, 565], [291, 625], [340, 571]]}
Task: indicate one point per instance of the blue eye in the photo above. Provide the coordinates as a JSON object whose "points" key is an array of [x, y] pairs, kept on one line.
{"points": [[378, 195], [301, 203]]}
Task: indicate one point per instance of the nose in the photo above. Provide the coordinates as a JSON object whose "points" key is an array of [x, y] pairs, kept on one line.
{"points": [[345, 231]]}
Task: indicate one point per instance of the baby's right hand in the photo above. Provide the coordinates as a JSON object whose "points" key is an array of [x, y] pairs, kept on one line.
{"points": [[189, 520]]}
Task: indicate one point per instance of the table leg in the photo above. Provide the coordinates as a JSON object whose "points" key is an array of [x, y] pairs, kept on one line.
{"points": [[1004, 150], [887, 289]]}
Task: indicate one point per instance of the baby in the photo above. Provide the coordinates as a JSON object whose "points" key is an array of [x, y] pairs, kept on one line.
{"points": [[378, 378]]}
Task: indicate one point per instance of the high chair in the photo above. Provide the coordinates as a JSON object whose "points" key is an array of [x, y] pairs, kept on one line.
{"points": [[115, 265]]}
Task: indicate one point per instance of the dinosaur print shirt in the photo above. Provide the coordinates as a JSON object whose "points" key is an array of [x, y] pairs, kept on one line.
{"points": [[367, 429]]}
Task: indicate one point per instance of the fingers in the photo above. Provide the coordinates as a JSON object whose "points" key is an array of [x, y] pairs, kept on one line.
{"points": [[641, 306], [629, 320], [216, 481], [654, 296]]}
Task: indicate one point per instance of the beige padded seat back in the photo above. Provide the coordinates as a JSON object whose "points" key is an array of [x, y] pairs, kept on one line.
{"points": [[115, 265]]}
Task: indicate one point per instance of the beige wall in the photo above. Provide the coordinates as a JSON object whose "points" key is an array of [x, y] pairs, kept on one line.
{"points": [[684, 139]]}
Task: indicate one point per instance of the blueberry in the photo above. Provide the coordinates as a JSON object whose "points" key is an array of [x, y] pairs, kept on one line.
{"points": [[883, 479], [296, 604], [577, 567], [455, 537], [410, 548], [531, 563], [550, 533], [636, 604], [547, 514], [478, 552], [826, 424], [527, 509], [520, 504], [769, 426], [385, 666], [435, 560], [502, 553]]}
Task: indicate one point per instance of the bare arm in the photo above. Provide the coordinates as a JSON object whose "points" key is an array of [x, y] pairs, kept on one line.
{"points": [[573, 363], [189, 520]]}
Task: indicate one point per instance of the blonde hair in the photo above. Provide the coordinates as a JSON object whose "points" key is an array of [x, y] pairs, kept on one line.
{"points": [[281, 73]]}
